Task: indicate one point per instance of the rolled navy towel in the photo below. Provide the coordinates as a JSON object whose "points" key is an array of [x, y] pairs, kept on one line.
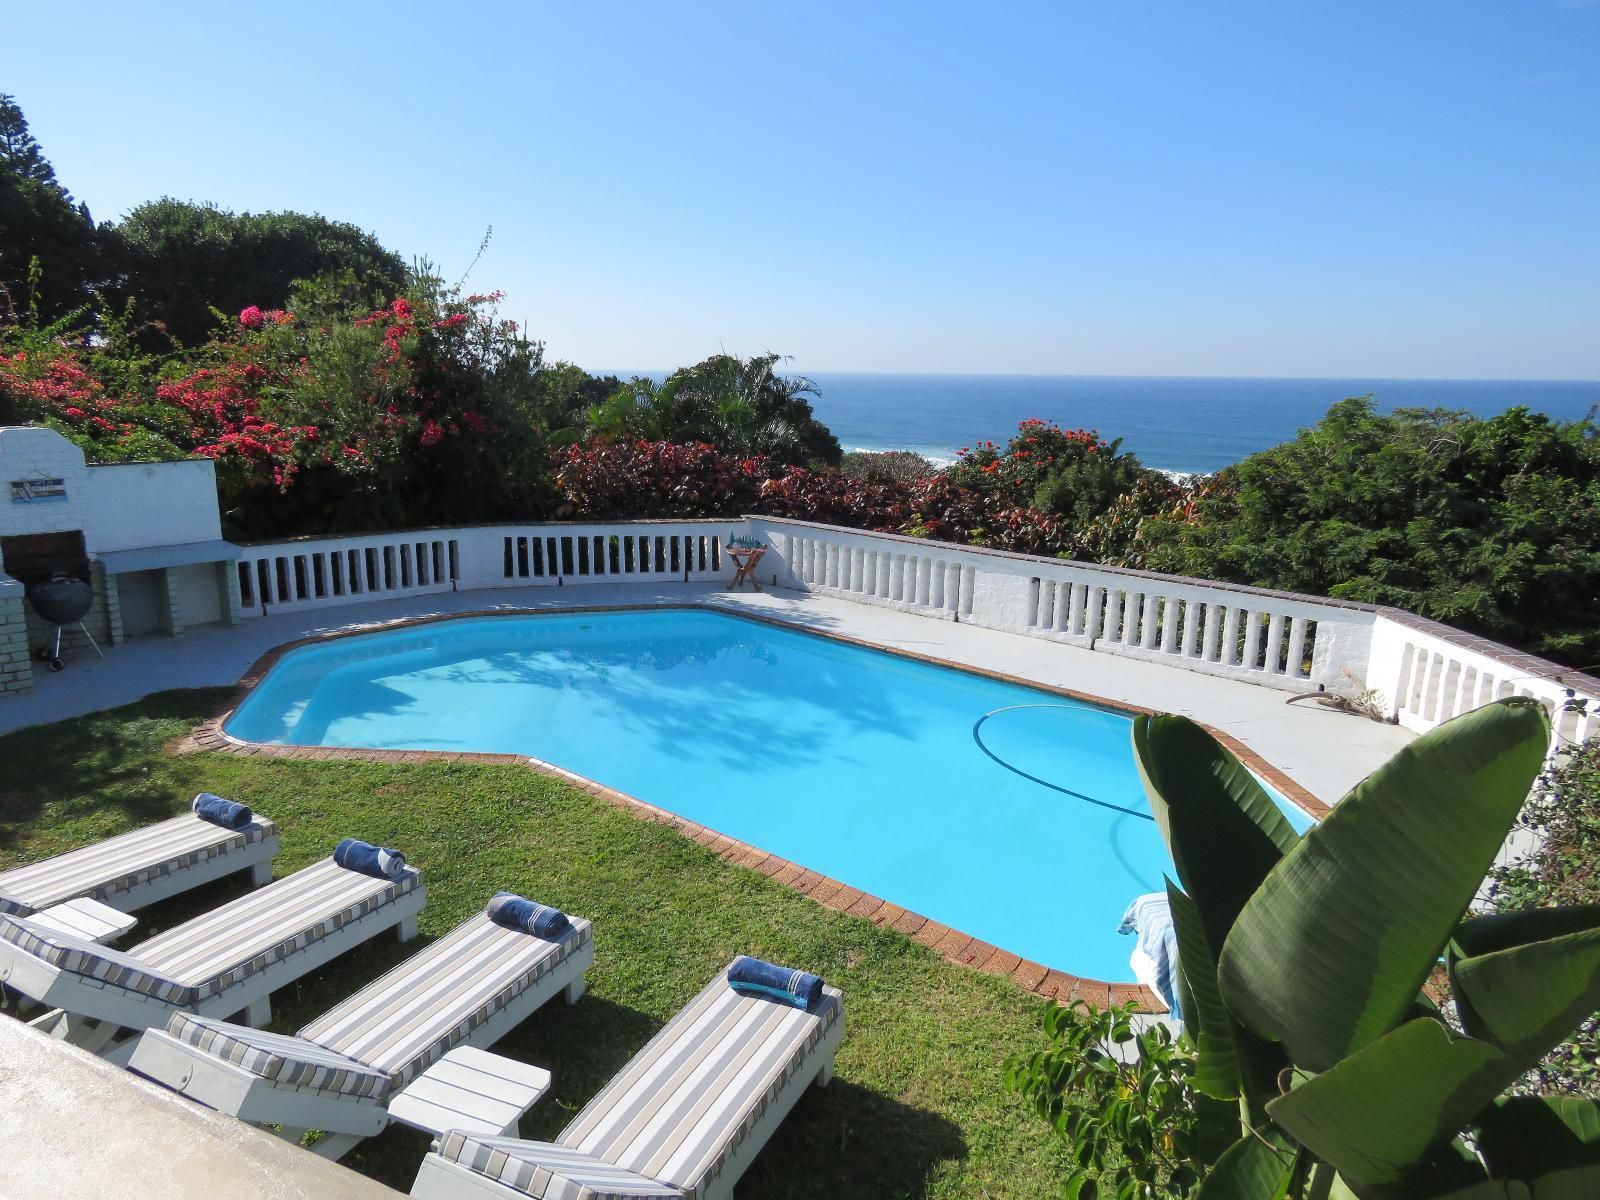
{"points": [[379, 861], [518, 912], [213, 808], [753, 977]]}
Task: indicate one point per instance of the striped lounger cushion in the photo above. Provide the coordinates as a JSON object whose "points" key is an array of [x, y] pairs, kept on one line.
{"points": [[546, 1171], [222, 947], [288, 1061], [12, 907], [80, 956], [685, 1101], [434, 1001], [118, 864]]}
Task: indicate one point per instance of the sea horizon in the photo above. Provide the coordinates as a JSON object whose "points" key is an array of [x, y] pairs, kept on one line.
{"points": [[1189, 424]]}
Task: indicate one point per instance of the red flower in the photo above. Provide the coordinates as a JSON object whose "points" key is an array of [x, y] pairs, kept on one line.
{"points": [[432, 435], [252, 317]]}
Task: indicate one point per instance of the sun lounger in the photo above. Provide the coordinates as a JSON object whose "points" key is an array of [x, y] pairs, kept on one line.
{"points": [[683, 1119], [225, 961], [343, 1072], [141, 867]]}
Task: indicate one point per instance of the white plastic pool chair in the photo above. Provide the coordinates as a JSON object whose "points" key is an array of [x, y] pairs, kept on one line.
{"points": [[229, 960], [141, 867], [394, 1045], [683, 1119]]}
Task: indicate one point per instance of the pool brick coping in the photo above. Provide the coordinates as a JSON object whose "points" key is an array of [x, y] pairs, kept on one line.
{"points": [[951, 944]]}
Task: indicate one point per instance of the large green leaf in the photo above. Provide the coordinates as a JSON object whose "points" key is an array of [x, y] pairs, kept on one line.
{"points": [[1525, 1137], [1331, 951], [1251, 1169], [1228, 1056], [1526, 998], [1385, 1111], [1222, 829], [1205, 1017]]}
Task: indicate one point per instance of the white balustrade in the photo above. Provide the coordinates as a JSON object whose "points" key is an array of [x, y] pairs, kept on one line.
{"points": [[629, 552], [316, 572], [1433, 674], [322, 572], [1210, 627]]}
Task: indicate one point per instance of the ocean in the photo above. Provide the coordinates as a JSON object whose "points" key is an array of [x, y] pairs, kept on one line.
{"points": [[1189, 424]]}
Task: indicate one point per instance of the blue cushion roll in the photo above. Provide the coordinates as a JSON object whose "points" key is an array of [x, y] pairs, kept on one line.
{"points": [[753, 977], [213, 808], [518, 912], [378, 861]]}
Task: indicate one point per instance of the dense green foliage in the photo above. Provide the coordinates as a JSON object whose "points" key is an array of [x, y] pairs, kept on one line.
{"points": [[180, 262], [1562, 868], [1489, 524], [741, 406], [1304, 960], [1130, 1119], [916, 1110]]}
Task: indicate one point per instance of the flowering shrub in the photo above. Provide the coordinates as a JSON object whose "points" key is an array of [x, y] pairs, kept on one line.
{"points": [[317, 418]]}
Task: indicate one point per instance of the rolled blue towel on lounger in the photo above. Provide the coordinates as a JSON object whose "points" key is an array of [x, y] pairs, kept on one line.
{"points": [[753, 977], [518, 912], [377, 861], [213, 808]]}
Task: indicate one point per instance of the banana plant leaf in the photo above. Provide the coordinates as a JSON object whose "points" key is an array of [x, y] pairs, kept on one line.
{"points": [[1382, 1114], [1253, 1168], [1526, 998], [1330, 952], [1528, 1137], [1222, 829], [1229, 1058]]}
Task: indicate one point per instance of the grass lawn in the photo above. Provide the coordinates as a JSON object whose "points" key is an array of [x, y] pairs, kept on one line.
{"points": [[917, 1108]]}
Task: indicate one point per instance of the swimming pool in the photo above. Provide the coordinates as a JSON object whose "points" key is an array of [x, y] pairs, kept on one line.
{"points": [[1009, 813]]}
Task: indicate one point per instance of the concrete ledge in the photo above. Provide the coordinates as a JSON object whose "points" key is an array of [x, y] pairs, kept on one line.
{"points": [[78, 1126]]}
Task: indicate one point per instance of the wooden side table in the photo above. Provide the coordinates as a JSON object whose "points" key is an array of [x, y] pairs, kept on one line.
{"points": [[744, 559]]}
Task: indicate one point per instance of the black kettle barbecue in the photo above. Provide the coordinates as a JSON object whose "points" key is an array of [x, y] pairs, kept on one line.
{"points": [[61, 600]]}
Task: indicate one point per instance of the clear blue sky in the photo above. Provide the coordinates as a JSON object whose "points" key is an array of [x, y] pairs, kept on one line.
{"points": [[1265, 188]]}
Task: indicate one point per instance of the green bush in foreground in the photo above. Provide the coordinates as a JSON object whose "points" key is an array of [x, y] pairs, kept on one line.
{"points": [[1304, 960], [1132, 1127]]}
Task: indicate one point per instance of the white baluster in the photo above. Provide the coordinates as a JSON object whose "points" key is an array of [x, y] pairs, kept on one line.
{"points": [[1297, 649]]}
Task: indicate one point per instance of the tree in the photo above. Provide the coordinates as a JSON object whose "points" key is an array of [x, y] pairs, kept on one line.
{"points": [[51, 256], [181, 260], [742, 406], [20, 153]]}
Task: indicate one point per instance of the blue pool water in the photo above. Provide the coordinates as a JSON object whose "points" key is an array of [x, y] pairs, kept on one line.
{"points": [[858, 764]]}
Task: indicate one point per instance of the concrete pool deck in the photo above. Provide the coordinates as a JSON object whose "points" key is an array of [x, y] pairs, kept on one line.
{"points": [[1324, 751]]}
